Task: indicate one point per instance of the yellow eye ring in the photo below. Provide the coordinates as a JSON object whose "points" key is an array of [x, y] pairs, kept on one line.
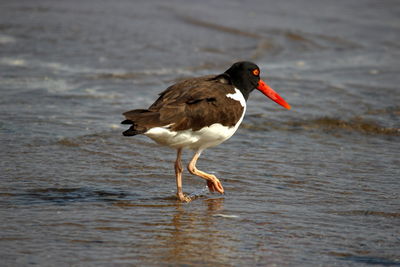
{"points": [[256, 72]]}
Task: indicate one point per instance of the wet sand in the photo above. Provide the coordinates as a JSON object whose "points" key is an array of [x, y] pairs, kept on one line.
{"points": [[317, 185]]}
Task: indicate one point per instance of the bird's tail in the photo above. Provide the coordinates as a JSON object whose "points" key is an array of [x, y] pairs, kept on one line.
{"points": [[140, 120], [132, 130]]}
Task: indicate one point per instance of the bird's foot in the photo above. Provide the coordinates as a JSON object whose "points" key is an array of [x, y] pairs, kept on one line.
{"points": [[184, 198], [215, 186]]}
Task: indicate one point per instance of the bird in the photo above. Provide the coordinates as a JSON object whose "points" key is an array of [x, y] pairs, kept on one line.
{"points": [[199, 113]]}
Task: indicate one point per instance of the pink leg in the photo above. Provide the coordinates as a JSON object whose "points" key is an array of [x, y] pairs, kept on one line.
{"points": [[212, 181], [178, 173]]}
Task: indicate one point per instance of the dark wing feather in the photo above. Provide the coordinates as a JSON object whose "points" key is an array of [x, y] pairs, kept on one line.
{"points": [[191, 104], [178, 91]]}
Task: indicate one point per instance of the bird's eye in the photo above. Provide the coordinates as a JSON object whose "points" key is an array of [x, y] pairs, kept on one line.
{"points": [[256, 72]]}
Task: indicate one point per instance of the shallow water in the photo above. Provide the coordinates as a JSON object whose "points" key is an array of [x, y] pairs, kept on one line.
{"points": [[317, 185]]}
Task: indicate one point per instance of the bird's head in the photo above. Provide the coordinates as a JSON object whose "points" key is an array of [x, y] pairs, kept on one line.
{"points": [[245, 76]]}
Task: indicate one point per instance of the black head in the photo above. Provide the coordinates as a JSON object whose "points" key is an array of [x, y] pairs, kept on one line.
{"points": [[245, 76]]}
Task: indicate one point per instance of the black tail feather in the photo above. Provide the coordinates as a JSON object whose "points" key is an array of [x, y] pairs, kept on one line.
{"points": [[140, 120], [132, 131], [127, 122], [129, 132]]}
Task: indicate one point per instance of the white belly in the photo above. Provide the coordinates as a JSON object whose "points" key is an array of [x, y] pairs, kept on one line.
{"points": [[206, 137]]}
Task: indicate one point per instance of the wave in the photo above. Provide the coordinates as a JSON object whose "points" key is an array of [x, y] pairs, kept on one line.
{"points": [[329, 125]]}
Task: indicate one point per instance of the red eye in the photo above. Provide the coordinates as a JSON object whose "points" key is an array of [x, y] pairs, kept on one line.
{"points": [[256, 72]]}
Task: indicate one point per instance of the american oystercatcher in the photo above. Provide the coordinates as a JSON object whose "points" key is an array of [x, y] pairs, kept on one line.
{"points": [[199, 113]]}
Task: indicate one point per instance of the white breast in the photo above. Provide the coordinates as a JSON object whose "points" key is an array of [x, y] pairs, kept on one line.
{"points": [[206, 137], [238, 96]]}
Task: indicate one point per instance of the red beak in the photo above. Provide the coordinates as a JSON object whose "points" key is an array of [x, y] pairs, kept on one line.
{"points": [[269, 92]]}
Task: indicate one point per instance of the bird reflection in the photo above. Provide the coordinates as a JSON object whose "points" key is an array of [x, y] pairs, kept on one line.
{"points": [[196, 235]]}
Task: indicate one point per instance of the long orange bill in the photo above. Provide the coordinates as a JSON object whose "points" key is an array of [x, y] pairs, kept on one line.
{"points": [[269, 92]]}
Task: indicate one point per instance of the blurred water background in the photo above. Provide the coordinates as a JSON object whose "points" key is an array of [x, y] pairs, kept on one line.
{"points": [[314, 186]]}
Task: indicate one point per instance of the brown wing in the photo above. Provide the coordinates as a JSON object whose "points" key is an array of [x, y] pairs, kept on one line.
{"points": [[196, 103], [191, 104], [179, 90]]}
